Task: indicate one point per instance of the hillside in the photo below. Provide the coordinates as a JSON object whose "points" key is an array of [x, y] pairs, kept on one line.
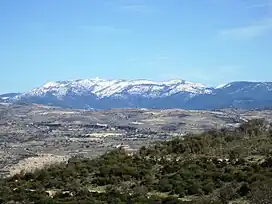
{"points": [[217, 166], [106, 94]]}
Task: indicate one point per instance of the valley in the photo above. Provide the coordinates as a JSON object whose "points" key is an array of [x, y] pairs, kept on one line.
{"points": [[34, 136]]}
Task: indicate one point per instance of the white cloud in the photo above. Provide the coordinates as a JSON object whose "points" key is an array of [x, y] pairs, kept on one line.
{"points": [[260, 5], [248, 32], [103, 29], [135, 7], [132, 6]]}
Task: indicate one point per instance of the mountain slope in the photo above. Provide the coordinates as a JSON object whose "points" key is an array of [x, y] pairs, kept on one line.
{"points": [[217, 166], [104, 94], [8, 95]]}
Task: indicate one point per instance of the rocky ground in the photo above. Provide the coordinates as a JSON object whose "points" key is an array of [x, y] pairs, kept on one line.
{"points": [[33, 136]]}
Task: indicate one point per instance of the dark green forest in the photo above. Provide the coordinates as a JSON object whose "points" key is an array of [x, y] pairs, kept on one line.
{"points": [[217, 166]]}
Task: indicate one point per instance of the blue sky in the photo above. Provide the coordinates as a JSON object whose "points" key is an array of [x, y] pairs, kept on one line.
{"points": [[206, 41]]}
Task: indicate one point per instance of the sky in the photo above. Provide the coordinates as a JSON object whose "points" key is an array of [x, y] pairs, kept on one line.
{"points": [[206, 41]]}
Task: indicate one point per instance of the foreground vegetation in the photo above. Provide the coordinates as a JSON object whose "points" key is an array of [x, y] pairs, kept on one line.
{"points": [[218, 166]]}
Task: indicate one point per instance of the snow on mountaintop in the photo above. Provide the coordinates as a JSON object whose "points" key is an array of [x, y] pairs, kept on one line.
{"points": [[220, 86], [50, 84], [104, 94], [106, 88]]}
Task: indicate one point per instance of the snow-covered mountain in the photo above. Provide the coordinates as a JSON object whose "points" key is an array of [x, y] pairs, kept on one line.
{"points": [[103, 94], [118, 88]]}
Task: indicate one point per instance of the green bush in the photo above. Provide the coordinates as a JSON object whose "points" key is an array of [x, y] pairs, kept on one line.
{"points": [[212, 167]]}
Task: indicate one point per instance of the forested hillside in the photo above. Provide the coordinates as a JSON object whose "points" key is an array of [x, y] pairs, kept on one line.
{"points": [[217, 166]]}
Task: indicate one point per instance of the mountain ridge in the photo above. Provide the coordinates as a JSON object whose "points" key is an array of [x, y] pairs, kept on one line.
{"points": [[97, 93]]}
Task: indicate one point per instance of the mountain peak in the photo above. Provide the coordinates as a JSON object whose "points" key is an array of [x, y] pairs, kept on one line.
{"points": [[50, 84]]}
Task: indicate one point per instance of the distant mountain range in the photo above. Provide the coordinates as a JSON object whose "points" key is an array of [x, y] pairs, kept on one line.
{"points": [[105, 94]]}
